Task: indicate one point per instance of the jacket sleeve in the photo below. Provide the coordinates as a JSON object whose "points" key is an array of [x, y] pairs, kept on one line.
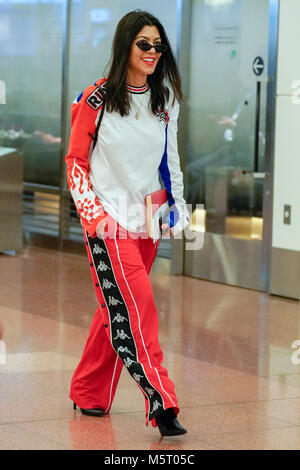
{"points": [[171, 173], [83, 126]]}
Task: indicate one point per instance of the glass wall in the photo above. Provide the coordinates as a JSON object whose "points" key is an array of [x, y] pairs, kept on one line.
{"points": [[227, 113], [31, 67], [31, 35]]}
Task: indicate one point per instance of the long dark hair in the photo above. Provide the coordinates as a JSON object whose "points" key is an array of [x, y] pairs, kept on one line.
{"points": [[117, 96]]}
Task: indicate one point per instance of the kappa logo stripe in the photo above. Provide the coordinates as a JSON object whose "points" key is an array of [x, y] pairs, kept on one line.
{"points": [[121, 334]]}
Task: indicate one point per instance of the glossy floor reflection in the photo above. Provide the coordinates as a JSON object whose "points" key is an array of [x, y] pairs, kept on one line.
{"points": [[228, 350]]}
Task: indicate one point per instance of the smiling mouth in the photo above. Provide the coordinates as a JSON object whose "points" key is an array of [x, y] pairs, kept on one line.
{"points": [[148, 61]]}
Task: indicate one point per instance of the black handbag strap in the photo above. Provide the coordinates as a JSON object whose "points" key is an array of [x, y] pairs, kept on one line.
{"points": [[95, 136]]}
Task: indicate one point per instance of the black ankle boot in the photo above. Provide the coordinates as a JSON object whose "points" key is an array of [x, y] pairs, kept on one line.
{"points": [[90, 412], [168, 424]]}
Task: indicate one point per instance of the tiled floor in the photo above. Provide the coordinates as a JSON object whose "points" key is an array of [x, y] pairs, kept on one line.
{"points": [[227, 349]]}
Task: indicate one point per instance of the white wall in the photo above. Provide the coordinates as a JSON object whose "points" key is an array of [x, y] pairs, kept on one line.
{"points": [[287, 137]]}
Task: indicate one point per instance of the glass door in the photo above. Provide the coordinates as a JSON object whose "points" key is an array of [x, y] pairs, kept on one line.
{"points": [[226, 135]]}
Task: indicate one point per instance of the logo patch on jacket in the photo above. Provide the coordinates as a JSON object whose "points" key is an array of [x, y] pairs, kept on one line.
{"points": [[163, 115], [95, 99]]}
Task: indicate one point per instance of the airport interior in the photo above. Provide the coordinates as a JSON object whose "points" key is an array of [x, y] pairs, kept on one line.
{"points": [[227, 292]]}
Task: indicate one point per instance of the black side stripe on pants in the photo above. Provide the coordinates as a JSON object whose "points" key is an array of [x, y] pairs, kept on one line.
{"points": [[121, 334]]}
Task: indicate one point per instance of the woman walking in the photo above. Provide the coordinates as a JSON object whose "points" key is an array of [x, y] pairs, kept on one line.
{"points": [[109, 175]]}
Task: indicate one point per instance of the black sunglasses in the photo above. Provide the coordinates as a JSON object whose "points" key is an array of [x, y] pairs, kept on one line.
{"points": [[146, 46]]}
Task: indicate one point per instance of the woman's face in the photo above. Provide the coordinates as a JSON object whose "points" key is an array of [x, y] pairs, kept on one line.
{"points": [[138, 63]]}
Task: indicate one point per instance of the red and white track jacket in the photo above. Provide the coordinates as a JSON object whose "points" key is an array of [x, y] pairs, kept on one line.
{"points": [[127, 161]]}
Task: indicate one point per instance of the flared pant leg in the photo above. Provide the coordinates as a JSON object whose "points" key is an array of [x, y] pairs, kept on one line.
{"points": [[124, 329], [96, 377]]}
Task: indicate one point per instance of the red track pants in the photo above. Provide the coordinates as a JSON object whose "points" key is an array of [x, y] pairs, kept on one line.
{"points": [[124, 329]]}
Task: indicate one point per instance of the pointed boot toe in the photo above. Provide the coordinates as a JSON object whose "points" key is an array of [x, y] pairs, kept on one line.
{"points": [[168, 424], [91, 411]]}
